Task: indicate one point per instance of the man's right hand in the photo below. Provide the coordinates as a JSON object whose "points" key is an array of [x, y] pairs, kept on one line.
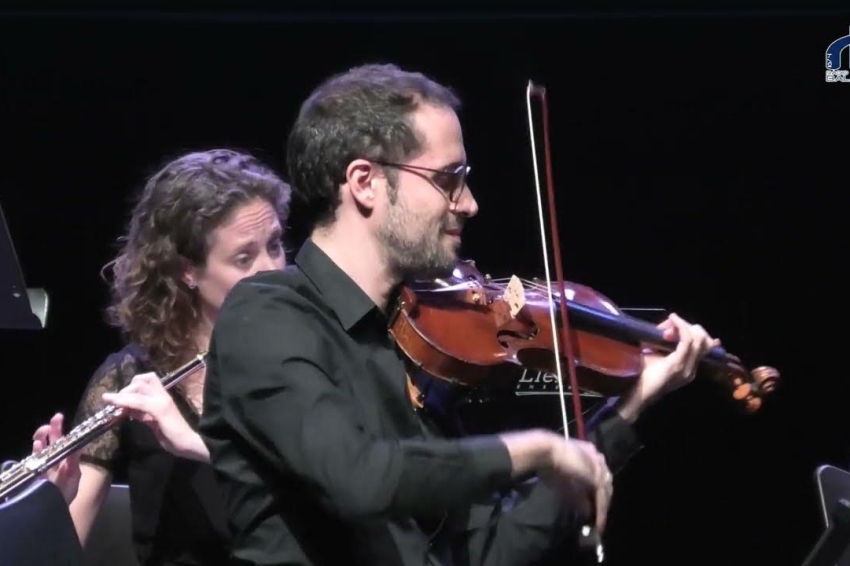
{"points": [[580, 472], [574, 468]]}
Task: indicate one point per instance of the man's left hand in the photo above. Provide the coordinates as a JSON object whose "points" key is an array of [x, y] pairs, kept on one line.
{"points": [[663, 374]]}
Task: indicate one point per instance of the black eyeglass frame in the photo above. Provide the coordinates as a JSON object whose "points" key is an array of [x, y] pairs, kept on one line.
{"points": [[460, 173]]}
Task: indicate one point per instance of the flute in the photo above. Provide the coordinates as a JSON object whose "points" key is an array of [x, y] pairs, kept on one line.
{"points": [[22, 473]]}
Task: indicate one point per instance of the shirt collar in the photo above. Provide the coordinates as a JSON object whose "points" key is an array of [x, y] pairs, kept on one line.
{"points": [[348, 301]]}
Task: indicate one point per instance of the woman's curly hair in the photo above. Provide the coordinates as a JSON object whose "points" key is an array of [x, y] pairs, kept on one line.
{"points": [[178, 209]]}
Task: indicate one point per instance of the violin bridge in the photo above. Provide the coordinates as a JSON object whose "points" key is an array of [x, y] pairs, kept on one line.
{"points": [[514, 295]]}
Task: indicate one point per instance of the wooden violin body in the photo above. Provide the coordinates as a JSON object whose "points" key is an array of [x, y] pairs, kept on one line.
{"points": [[472, 330]]}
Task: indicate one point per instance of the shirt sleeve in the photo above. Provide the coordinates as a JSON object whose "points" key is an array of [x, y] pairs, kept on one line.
{"points": [[277, 397], [113, 374]]}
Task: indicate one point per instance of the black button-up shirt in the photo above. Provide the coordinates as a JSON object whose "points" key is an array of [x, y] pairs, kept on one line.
{"points": [[323, 459]]}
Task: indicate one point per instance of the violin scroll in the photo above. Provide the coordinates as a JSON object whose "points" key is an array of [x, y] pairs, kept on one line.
{"points": [[763, 381], [767, 378]]}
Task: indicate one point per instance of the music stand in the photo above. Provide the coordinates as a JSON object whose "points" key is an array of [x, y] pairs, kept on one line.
{"points": [[831, 549], [36, 529], [20, 308]]}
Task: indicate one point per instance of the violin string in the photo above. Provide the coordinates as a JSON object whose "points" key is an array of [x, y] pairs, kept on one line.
{"points": [[500, 282], [533, 284]]}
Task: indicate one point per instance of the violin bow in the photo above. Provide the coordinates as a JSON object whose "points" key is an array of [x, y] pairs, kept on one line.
{"points": [[561, 339]]}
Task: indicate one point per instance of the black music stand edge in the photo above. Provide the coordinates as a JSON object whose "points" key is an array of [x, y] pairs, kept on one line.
{"points": [[20, 308], [835, 539]]}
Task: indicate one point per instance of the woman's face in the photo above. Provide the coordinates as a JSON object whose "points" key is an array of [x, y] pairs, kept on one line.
{"points": [[247, 242]]}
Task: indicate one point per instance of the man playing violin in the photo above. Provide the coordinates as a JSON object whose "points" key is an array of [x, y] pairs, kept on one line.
{"points": [[322, 457]]}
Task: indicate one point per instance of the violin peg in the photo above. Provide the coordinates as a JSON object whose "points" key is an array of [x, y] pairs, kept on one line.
{"points": [[766, 377], [743, 392], [753, 405]]}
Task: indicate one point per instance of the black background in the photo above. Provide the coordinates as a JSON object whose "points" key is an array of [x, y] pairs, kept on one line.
{"points": [[700, 160]]}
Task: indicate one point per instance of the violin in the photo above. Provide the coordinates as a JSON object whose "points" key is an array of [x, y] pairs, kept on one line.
{"points": [[474, 331]]}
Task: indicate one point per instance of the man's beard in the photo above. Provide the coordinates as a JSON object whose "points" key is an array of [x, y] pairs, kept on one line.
{"points": [[415, 256]]}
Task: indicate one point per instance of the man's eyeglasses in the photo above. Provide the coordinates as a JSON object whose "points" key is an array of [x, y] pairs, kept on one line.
{"points": [[450, 182]]}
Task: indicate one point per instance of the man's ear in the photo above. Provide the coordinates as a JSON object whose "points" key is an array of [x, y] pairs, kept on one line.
{"points": [[360, 176]]}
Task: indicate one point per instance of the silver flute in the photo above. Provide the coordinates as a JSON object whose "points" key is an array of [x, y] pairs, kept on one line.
{"points": [[22, 473]]}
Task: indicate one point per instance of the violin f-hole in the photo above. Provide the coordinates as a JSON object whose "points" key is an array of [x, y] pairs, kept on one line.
{"points": [[516, 330]]}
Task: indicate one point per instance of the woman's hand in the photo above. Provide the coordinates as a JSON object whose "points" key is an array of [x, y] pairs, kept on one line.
{"points": [[146, 400], [65, 474]]}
